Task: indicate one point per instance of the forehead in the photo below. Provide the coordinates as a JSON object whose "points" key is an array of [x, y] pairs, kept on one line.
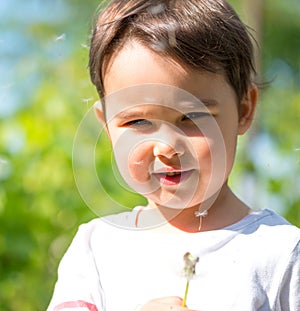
{"points": [[157, 96], [135, 65]]}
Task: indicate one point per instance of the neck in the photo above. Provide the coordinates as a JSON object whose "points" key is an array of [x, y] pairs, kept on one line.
{"points": [[223, 209]]}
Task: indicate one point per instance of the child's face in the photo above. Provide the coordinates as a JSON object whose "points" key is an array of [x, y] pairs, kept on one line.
{"points": [[173, 129]]}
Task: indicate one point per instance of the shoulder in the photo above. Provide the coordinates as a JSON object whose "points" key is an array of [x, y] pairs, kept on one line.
{"points": [[106, 225], [266, 221], [269, 221], [270, 217], [102, 227], [95, 234], [268, 233], [274, 235]]}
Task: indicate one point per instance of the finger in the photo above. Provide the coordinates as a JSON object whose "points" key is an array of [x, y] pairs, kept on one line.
{"points": [[165, 304]]}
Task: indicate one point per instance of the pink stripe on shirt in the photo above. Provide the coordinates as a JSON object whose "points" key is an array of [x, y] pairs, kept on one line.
{"points": [[76, 304]]}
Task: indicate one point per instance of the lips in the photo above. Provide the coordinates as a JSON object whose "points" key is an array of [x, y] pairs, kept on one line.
{"points": [[172, 178]]}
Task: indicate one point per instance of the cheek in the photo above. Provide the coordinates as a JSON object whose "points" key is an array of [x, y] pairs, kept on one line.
{"points": [[129, 150], [212, 159], [139, 161], [134, 160], [203, 149]]}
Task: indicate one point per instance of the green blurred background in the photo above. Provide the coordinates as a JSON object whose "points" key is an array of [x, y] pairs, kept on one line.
{"points": [[45, 92]]}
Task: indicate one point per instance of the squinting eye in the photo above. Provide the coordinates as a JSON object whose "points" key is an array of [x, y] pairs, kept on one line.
{"points": [[195, 115], [138, 123]]}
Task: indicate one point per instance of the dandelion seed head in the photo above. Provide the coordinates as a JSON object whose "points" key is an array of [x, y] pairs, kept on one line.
{"points": [[190, 262]]}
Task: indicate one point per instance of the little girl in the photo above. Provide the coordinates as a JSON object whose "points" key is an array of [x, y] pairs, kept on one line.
{"points": [[175, 82]]}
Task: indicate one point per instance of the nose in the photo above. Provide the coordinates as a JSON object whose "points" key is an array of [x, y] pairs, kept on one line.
{"points": [[169, 143]]}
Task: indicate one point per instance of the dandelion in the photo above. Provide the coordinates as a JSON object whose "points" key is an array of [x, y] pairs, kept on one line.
{"points": [[189, 271]]}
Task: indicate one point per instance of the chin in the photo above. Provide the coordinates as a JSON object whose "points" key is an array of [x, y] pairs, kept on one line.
{"points": [[174, 202]]}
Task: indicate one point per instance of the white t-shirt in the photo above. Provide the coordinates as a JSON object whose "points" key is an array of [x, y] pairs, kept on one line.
{"points": [[251, 265]]}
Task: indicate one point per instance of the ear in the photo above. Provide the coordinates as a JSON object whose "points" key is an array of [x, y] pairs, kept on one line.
{"points": [[98, 108], [99, 111], [247, 109]]}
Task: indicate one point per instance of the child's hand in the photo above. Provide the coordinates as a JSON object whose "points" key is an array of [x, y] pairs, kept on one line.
{"points": [[165, 304]]}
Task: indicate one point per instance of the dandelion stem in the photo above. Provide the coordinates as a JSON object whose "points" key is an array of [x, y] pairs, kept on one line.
{"points": [[185, 293]]}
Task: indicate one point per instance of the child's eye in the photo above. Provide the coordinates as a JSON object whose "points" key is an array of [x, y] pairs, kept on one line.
{"points": [[138, 123], [195, 115]]}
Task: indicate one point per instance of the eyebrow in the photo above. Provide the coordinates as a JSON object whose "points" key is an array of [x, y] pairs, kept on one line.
{"points": [[207, 103], [133, 115], [140, 114]]}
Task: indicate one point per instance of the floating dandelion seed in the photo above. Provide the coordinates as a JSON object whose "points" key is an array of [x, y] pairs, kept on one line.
{"points": [[4, 91], [139, 162], [87, 100], [172, 37], [85, 46], [7, 86], [201, 214], [189, 271], [157, 9], [5, 168], [61, 37], [161, 46], [3, 161]]}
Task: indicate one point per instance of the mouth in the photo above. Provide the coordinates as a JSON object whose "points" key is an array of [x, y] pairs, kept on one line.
{"points": [[172, 178]]}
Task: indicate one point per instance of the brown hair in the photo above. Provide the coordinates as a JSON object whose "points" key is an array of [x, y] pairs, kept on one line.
{"points": [[204, 34]]}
